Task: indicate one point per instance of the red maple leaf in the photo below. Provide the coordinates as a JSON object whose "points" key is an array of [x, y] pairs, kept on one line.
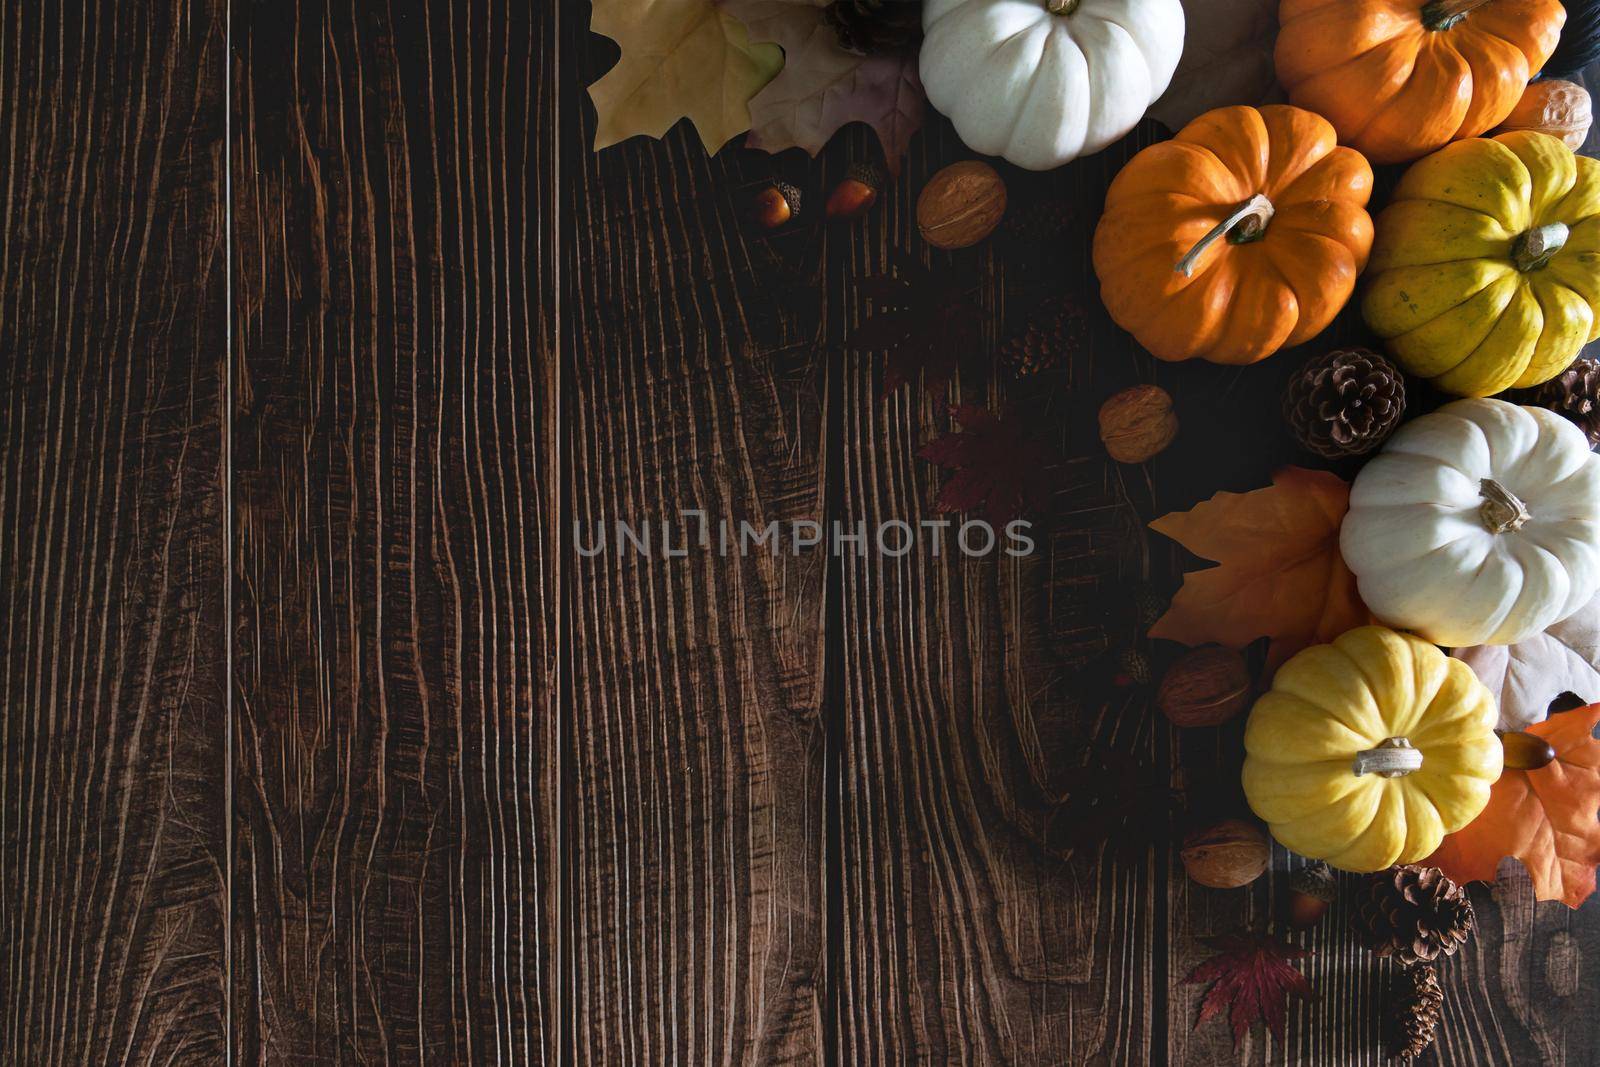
{"points": [[998, 467], [925, 323], [1252, 976]]}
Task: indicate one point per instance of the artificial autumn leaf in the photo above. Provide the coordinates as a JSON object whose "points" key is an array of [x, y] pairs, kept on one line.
{"points": [[999, 468], [925, 323], [1253, 976], [822, 86], [1546, 818], [1527, 676], [1227, 59], [1280, 574], [679, 58]]}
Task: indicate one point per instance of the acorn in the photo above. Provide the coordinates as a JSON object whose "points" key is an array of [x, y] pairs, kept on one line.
{"points": [[853, 197], [1311, 892], [1525, 751], [776, 205]]}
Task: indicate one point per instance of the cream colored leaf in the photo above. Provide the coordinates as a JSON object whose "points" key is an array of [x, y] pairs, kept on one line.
{"points": [[680, 58], [1527, 676]]}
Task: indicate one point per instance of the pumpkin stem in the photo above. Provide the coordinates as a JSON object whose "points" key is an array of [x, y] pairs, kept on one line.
{"points": [[1247, 223], [1502, 511], [1443, 14], [1536, 248], [1393, 758], [1062, 7]]}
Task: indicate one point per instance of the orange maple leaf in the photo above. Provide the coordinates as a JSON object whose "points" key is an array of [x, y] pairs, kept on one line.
{"points": [[1280, 575], [1545, 818]]}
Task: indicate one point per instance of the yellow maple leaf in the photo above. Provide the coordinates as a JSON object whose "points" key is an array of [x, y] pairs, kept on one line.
{"points": [[680, 58]]}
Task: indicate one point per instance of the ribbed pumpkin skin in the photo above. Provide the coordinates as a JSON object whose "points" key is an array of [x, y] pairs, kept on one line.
{"points": [[1426, 559], [1041, 89], [1443, 290], [1244, 301], [1397, 90], [1332, 701]]}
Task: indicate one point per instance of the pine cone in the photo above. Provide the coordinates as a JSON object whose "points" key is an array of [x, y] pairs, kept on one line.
{"points": [[1053, 332], [1346, 403], [876, 27], [1574, 394], [1414, 914], [1412, 1013]]}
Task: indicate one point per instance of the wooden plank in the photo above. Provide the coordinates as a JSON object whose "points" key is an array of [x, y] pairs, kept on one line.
{"points": [[1520, 993], [694, 380], [1524, 989], [397, 832], [965, 939], [112, 617]]}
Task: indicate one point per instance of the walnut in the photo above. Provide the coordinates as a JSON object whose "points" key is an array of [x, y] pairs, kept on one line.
{"points": [[1138, 424], [961, 205], [1227, 855], [1205, 687]]}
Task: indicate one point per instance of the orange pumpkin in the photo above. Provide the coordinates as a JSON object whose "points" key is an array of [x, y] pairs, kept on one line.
{"points": [[1242, 235], [1401, 78]]}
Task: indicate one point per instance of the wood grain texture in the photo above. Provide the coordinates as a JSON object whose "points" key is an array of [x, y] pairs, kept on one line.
{"points": [[694, 380], [963, 940], [112, 664], [393, 433], [324, 743]]}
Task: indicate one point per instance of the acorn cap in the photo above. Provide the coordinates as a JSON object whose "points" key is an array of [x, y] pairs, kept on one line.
{"points": [[867, 173], [1315, 881], [791, 196]]}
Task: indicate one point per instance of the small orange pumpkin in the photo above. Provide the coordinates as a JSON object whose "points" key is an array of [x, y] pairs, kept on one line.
{"points": [[1401, 78], [1242, 235], [1560, 108]]}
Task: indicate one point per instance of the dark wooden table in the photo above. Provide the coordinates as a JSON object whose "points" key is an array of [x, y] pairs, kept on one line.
{"points": [[320, 327]]}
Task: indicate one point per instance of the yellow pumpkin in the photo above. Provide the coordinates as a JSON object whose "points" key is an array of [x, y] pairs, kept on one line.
{"points": [[1485, 272], [1367, 751]]}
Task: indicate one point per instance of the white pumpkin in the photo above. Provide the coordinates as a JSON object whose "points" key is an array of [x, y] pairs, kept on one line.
{"points": [[1042, 82], [1477, 525]]}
